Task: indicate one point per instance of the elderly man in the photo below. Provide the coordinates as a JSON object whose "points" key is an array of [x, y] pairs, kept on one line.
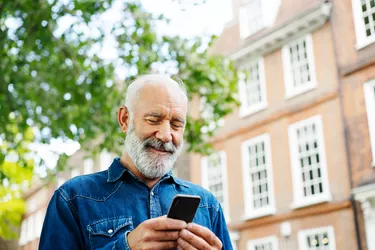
{"points": [[124, 207]]}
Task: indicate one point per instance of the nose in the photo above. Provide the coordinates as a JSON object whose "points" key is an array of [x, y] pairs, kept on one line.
{"points": [[164, 132]]}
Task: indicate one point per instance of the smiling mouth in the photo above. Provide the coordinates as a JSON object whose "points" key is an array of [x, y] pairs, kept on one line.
{"points": [[158, 150]]}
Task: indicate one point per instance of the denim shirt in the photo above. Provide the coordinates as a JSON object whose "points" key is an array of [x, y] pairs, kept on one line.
{"points": [[97, 211]]}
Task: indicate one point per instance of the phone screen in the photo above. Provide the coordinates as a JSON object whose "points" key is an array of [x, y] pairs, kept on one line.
{"points": [[184, 207]]}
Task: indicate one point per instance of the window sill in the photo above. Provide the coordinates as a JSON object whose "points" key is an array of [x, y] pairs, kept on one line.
{"points": [[311, 202], [309, 86], [250, 111], [255, 215], [365, 43]]}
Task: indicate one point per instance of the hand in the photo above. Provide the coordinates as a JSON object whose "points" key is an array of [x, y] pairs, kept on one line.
{"points": [[198, 237], [156, 233]]}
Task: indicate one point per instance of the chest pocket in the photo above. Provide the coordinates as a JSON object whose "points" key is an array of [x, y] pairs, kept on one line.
{"points": [[107, 231]]}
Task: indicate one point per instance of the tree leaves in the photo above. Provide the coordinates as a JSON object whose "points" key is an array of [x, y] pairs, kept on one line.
{"points": [[53, 84]]}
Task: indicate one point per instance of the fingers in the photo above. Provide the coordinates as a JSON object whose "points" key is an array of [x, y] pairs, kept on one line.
{"points": [[163, 245], [183, 244], [189, 240], [166, 224], [161, 236], [205, 234]]}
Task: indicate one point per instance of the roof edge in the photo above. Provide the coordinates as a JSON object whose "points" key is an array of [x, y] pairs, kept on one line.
{"points": [[275, 38]]}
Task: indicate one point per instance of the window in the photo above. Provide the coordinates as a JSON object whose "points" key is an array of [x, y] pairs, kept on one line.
{"points": [[75, 172], [252, 88], [268, 243], [214, 178], [39, 223], [23, 234], [88, 166], [60, 180], [308, 160], [369, 89], [299, 67], [257, 174], [207, 113], [30, 228], [105, 160], [251, 19], [254, 15], [317, 239], [234, 238], [364, 21]]}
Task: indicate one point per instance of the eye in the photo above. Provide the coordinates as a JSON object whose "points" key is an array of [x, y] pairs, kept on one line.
{"points": [[152, 121], [177, 125]]}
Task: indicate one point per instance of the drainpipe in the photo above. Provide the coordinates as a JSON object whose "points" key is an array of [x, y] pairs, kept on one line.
{"points": [[353, 202]]}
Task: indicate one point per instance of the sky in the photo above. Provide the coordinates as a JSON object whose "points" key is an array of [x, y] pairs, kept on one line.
{"points": [[186, 19], [206, 18]]}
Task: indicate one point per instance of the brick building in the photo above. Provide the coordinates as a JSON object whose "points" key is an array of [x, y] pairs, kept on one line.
{"points": [[294, 167]]}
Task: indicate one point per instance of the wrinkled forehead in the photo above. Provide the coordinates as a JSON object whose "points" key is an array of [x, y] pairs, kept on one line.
{"points": [[166, 95]]}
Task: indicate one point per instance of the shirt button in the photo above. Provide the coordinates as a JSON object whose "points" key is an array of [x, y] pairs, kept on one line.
{"points": [[110, 231], [152, 193]]}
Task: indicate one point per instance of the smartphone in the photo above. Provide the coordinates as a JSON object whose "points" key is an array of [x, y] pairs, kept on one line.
{"points": [[184, 207]]}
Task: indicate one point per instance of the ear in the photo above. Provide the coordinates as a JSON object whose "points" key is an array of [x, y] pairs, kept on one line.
{"points": [[123, 118]]}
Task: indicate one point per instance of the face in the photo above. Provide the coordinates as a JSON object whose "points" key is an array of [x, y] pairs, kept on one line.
{"points": [[155, 132]]}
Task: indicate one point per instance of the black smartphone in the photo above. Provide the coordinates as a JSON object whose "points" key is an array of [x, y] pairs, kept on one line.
{"points": [[184, 207]]}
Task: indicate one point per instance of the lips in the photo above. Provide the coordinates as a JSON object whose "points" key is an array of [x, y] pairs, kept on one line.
{"points": [[159, 149]]}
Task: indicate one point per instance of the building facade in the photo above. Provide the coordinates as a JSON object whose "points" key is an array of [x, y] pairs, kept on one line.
{"points": [[356, 67], [294, 165]]}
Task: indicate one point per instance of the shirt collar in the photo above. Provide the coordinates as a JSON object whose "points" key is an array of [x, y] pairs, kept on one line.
{"points": [[116, 170]]}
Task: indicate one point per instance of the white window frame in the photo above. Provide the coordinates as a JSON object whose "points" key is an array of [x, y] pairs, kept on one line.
{"points": [[269, 10], [23, 234], [248, 110], [244, 21], [105, 160], [368, 89], [234, 238], [74, 172], [88, 166], [360, 28], [304, 233], [39, 218], [30, 228], [298, 199], [224, 175], [59, 181], [250, 211], [291, 91], [251, 244]]}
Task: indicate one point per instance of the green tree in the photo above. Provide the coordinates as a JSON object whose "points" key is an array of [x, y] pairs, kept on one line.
{"points": [[53, 82]]}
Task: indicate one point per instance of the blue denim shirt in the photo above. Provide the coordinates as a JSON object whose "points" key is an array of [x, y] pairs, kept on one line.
{"points": [[97, 211]]}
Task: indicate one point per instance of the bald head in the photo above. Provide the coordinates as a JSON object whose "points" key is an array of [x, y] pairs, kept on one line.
{"points": [[149, 82]]}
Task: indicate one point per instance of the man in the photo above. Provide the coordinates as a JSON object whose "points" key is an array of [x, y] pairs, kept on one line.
{"points": [[124, 207]]}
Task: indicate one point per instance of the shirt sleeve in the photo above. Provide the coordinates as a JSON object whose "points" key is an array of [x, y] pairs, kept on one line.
{"points": [[61, 229], [221, 231]]}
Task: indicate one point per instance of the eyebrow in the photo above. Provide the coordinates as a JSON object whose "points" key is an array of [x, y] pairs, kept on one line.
{"points": [[153, 114], [158, 115], [179, 120]]}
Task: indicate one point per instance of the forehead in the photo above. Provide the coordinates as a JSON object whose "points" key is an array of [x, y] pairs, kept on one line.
{"points": [[162, 97]]}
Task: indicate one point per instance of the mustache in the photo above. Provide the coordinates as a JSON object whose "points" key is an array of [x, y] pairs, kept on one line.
{"points": [[160, 145]]}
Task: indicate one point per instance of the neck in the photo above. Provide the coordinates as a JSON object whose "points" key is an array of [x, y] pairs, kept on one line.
{"points": [[129, 164]]}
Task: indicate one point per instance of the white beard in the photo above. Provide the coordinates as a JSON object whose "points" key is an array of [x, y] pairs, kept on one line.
{"points": [[149, 164]]}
